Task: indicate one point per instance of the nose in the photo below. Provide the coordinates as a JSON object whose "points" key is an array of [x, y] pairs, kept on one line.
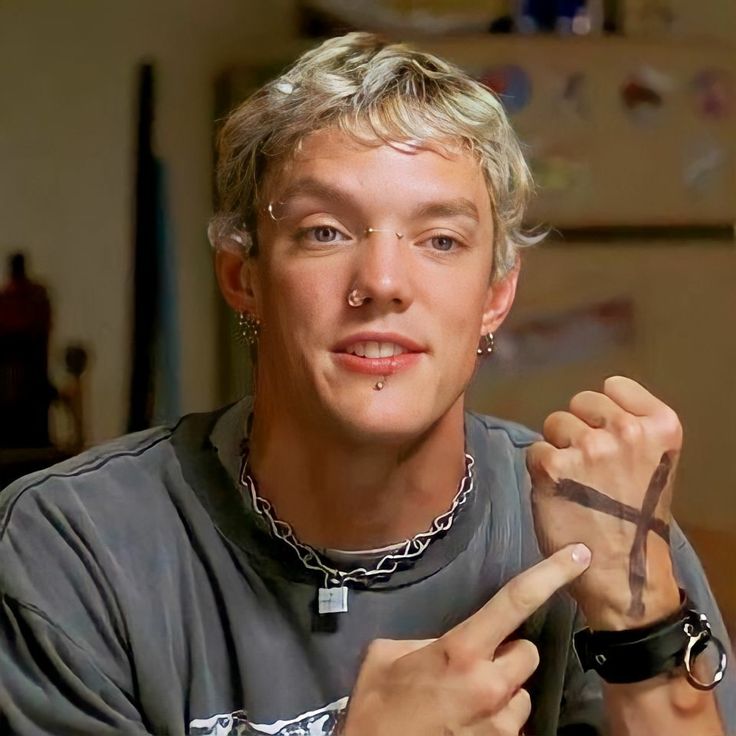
{"points": [[383, 271]]}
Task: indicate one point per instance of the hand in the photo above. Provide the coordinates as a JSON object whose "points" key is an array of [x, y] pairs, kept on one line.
{"points": [[468, 682], [604, 477]]}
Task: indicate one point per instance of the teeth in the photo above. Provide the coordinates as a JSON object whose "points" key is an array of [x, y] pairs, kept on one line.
{"points": [[385, 349], [372, 349]]}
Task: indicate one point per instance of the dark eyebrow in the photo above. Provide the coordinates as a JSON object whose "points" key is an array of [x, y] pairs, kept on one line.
{"points": [[460, 207]]}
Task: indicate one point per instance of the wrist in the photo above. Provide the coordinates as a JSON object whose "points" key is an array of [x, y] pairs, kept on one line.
{"points": [[606, 594], [641, 654], [613, 613]]}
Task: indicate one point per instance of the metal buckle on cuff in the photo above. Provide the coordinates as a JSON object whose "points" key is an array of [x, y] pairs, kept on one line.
{"points": [[699, 634]]}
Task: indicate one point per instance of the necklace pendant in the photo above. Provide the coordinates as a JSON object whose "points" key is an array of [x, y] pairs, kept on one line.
{"points": [[332, 600]]}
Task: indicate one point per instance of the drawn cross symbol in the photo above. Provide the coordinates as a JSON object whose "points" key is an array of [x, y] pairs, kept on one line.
{"points": [[643, 519]]}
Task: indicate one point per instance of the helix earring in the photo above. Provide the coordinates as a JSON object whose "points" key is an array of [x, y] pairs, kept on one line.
{"points": [[249, 327], [486, 345]]}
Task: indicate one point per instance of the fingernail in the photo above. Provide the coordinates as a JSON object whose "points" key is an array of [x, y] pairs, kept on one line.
{"points": [[581, 554]]}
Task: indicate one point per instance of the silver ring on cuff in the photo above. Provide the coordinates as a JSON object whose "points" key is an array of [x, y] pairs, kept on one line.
{"points": [[693, 640]]}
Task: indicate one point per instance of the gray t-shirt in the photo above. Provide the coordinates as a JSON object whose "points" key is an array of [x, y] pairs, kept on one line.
{"points": [[141, 594]]}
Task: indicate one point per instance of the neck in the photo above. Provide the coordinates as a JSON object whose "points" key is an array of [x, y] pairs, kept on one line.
{"points": [[342, 494]]}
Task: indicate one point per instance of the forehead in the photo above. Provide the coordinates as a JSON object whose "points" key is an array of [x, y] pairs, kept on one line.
{"points": [[378, 173]]}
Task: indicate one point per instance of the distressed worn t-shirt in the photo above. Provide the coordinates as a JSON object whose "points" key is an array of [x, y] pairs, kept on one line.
{"points": [[141, 594]]}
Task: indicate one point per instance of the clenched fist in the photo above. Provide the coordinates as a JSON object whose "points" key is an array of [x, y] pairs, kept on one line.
{"points": [[604, 476]]}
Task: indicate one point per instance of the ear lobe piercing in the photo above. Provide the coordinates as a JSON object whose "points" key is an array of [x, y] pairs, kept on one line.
{"points": [[250, 327], [486, 345]]}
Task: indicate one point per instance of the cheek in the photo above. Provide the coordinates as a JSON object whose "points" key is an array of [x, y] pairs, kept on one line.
{"points": [[301, 300], [460, 304], [462, 315]]}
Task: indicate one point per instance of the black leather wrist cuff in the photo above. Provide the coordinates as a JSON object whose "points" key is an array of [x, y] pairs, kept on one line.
{"points": [[639, 654]]}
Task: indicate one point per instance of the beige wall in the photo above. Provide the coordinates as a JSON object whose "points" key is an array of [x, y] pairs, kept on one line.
{"points": [[67, 84], [712, 19]]}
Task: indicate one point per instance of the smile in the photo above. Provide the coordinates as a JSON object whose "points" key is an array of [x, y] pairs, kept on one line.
{"points": [[377, 354], [372, 349]]}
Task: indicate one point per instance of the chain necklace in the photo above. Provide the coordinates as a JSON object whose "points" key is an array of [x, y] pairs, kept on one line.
{"points": [[333, 595]]}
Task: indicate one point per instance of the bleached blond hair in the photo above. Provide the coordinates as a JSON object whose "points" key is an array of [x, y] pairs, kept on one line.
{"points": [[378, 92]]}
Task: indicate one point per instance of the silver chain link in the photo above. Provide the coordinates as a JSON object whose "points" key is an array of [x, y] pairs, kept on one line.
{"points": [[311, 559]]}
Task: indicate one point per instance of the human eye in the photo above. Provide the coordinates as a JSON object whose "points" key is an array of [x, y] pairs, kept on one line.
{"points": [[443, 242], [321, 234]]}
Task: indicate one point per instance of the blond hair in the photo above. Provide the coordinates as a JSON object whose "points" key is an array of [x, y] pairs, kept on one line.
{"points": [[376, 92]]}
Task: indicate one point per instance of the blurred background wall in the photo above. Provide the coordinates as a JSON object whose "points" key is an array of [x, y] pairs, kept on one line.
{"points": [[67, 140]]}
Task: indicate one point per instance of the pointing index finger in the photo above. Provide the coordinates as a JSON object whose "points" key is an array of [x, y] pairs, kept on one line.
{"points": [[482, 633]]}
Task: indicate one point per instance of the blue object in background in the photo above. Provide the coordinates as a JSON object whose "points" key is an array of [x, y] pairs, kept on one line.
{"points": [[535, 16]]}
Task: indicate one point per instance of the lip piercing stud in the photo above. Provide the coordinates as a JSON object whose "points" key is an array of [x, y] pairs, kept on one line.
{"points": [[370, 230], [355, 299], [380, 384]]}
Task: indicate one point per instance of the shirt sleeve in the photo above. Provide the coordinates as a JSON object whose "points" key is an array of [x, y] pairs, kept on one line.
{"points": [[692, 579], [50, 685], [64, 657], [581, 709]]}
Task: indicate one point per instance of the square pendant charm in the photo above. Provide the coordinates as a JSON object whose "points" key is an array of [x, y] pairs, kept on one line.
{"points": [[332, 600]]}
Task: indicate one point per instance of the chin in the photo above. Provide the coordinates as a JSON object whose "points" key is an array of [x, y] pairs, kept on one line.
{"points": [[381, 433], [387, 419]]}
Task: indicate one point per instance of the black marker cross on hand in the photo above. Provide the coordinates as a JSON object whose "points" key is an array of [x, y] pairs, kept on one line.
{"points": [[643, 518]]}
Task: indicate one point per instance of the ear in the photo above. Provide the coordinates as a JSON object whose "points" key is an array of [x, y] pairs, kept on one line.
{"points": [[238, 281], [499, 299]]}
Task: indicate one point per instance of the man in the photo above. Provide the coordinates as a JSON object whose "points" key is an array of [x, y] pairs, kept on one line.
{"points": [[349, 552]]}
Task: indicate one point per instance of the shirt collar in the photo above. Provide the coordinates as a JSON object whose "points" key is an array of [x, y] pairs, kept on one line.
{"points": [[243, 526]]}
